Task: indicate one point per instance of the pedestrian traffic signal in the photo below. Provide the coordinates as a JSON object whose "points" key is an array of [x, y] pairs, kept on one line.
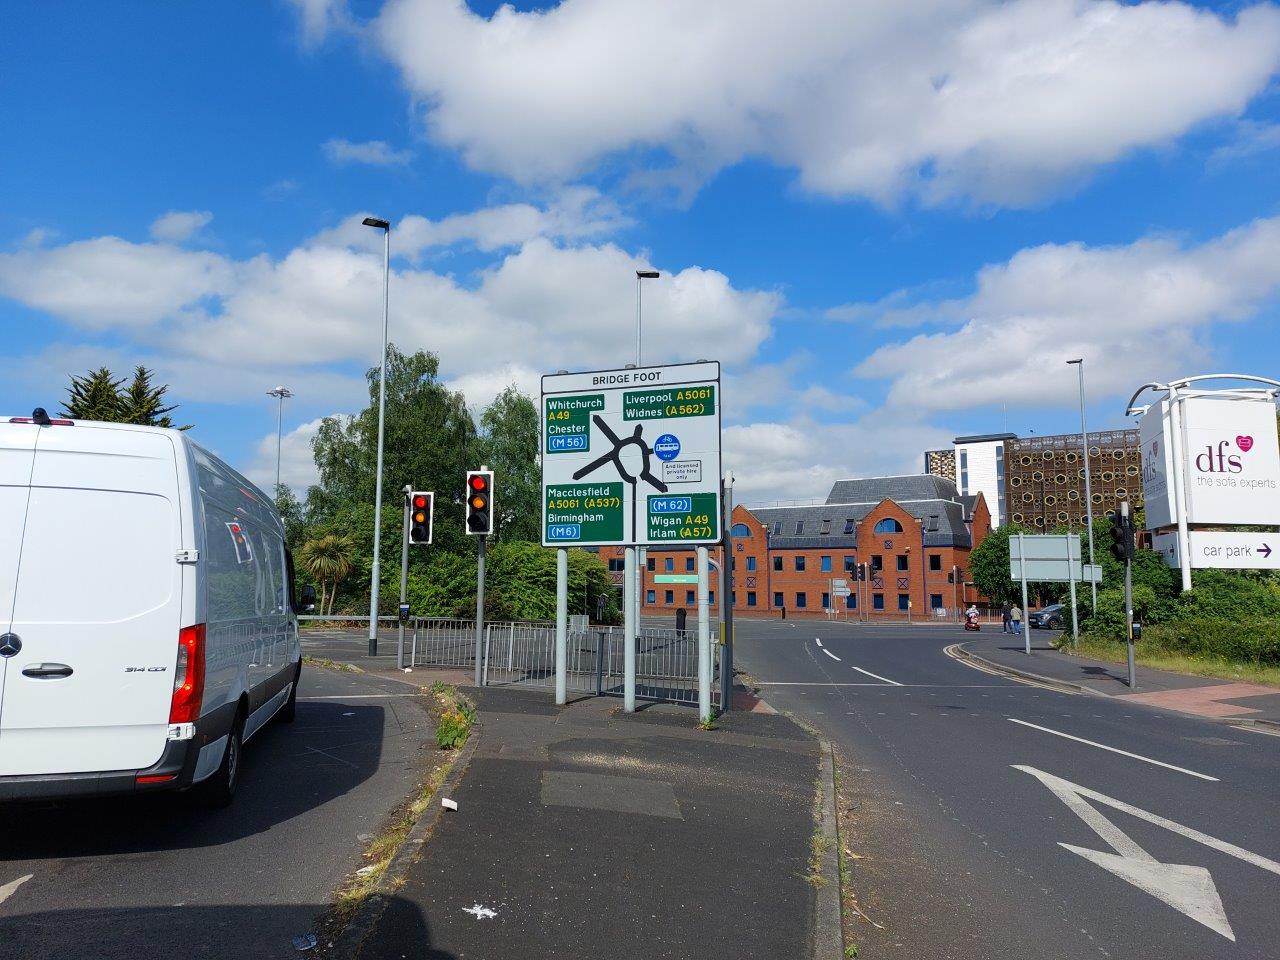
{"points": [[1122, 531], [421, 514], [480, 502]]}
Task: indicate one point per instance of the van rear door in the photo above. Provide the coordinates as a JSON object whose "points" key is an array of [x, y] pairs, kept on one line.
{"points": [[17, 452], [97, 604]]}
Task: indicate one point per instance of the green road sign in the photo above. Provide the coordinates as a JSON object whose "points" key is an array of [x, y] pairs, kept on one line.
{"points": [[675, 578], [583, 512], [568, 426], [690, 516]]}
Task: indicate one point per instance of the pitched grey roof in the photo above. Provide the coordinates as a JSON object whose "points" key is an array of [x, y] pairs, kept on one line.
{"points": [[916, 486]]}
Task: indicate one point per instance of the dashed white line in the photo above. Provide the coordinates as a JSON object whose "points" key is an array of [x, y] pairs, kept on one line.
{"points": [[1123, 753], [9, 888], [831, 655], [818, 641], [892, 683]]}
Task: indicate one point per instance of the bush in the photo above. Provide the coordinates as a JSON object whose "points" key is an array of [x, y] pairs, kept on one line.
{"points": [[1243, 641], [452, 730]]}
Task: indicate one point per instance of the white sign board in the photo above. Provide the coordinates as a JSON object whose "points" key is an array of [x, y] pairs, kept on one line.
{"points": [[1231, 462], [1223, 551], [1049, 558], [632, 457]]}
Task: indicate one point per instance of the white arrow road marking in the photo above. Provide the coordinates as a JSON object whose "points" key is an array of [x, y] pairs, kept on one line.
{"points": [[818, 641], [1188, 889], [9, 888], [1123, 753]]}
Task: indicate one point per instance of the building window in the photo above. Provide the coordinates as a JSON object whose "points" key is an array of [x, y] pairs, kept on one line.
{"points": [[888, 525], [751, 598], [877, 601], [799, 563], [825, 564], [904, 601], [669, 597], [877, 562], [848, 525], [650, 597], [848, 564], [932, 525], [616, 565], [902, 562], [777, 528], [740, 530], [964, 471], [778, 601], [935, 601], [689, 598], [669, 564], [711, 598], [826, 601], [652, 564], [799, 527], [826, 527], [777, 563], [688, 564], [851, 601], [935, 561], [751, 564], [801, 600]]}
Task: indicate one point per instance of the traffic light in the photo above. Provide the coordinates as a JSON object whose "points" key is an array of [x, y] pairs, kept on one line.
{"points": [[421, 511], [862, 572], [1121, 536], [480, 502]]}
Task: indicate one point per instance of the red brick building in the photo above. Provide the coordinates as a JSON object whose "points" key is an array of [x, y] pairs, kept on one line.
{"points": [[913, 533]]}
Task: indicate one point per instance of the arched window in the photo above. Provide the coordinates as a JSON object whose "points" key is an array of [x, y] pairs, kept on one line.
{"points": [[741, 530], [888, 525]]}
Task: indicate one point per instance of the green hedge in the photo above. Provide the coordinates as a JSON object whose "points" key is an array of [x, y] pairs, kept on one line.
{"points": [[1242, 641]]}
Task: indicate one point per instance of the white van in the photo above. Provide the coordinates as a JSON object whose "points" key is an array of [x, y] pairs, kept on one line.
{"points": [[147, 619]]}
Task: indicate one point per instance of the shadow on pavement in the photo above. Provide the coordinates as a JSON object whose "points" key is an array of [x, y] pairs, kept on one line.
{"points": [[288, 769]]}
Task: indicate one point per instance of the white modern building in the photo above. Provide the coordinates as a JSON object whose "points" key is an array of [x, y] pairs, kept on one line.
{"points": [[980, 469]]}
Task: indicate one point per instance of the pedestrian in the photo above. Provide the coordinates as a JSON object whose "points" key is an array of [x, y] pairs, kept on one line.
{"points": [[1006, 620], [1015, 617]]}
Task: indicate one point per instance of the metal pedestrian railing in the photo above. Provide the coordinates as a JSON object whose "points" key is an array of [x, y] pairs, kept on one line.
{"points": [[524, 654]]}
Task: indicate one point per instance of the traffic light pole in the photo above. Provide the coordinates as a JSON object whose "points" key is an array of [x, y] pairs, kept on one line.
{"points": [[1128, 591], [404, 574], [479, 603]]}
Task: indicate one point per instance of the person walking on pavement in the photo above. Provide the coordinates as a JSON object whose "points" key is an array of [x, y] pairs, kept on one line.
{"points": [[1006, 620], [1015, 617]]}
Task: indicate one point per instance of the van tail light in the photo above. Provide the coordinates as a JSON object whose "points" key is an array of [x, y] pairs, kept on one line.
{"points": [[188, 676]]}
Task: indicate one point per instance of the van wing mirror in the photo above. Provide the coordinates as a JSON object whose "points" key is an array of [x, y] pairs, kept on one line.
{"points": [[308, 598]]}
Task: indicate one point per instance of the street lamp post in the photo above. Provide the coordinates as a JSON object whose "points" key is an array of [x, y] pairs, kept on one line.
{"points": [[1088, 494], [385, 227], [280, 393], [642, 553]]}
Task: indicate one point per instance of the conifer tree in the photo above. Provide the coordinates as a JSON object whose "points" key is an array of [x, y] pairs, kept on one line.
{"points": [[142, 403], [95, 396]]}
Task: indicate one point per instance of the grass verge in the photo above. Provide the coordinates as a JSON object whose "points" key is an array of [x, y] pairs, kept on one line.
{"points": [[327, 664], [850, 912], [1178, 663]]}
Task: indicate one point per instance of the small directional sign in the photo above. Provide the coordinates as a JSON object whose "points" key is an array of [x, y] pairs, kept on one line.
{"points": [[1223, 551]]}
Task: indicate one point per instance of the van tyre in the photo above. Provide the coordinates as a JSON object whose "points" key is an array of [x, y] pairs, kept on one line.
{"points": [[290, 708], [220, 789]]}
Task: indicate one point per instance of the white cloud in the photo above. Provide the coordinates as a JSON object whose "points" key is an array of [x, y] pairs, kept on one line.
{"points": [[376, 153], [1133, 312], [38, 237], [319, 18], [980, 99], [1252, 138], [481, 387], [297, 463], [178, 225]]}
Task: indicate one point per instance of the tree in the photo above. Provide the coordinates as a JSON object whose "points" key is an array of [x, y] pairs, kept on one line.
{"points": [[329, 560], [95, 396], [509, 446], [989, 565], [142, 403]]}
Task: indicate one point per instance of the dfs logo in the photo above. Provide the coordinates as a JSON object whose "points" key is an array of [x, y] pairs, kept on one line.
{"points": [[1220, 458]]}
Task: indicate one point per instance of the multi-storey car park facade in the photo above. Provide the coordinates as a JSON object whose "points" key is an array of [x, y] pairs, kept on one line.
{"points": [[914, 533], [1044, 477]]}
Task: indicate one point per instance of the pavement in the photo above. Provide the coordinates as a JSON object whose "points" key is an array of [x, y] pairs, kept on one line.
{"points": [[584, 832], [1202, 696], [158, 876], [996, 819]]}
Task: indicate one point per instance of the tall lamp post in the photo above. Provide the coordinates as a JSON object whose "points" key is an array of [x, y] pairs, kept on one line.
{"points": [[374, 580], [642, 553], [1078, 363], [281, 394]]}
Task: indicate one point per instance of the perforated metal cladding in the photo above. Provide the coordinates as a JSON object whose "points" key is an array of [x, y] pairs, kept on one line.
{"points": [[1048, 474]]}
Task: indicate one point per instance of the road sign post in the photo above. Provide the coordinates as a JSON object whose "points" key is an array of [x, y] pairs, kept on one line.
{"points": [[1022, 569], [562, 626], [1128, 594], [629, 631], [1075, 622], [704, 637], [728, 598]]}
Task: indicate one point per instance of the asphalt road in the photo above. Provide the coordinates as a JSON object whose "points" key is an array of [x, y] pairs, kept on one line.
{"points": [[159, 877], [962, 814]]}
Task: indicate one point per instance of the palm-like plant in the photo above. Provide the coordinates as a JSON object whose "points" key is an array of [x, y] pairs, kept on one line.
{"points": [[329, 559]]}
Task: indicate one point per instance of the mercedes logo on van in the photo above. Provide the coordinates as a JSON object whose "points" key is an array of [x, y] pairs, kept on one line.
{"points": [[10, 644]]}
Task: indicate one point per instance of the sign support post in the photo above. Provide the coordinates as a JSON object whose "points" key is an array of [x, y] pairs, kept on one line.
{"points": [[727, 599], [1180, 486], [562, 626], [1026, 630], [629, 630], [1075, 621], [404, 576], [1128, 598], [704, 637]]}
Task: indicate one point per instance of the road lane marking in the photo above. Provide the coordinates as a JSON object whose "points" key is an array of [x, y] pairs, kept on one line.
{"points": [[831, 655], [1185, 887], [11, 887], [893, 683], [818, 641], [363, 696], [1123, 753]]}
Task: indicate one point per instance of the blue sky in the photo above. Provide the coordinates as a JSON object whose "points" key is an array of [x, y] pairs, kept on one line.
{"points": [[892, 222]]}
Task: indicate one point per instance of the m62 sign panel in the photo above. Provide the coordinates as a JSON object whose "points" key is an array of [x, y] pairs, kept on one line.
{"points": [[631, 457]]}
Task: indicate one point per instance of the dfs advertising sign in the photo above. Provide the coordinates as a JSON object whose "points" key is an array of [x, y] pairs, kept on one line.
{"points": [[1231, 469]]}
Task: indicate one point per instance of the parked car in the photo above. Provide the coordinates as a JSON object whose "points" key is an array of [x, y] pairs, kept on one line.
{"points": [[1052, 617], [147, 621]]}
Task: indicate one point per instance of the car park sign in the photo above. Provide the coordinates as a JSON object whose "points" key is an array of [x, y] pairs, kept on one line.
{"points": [[632, 456]]}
